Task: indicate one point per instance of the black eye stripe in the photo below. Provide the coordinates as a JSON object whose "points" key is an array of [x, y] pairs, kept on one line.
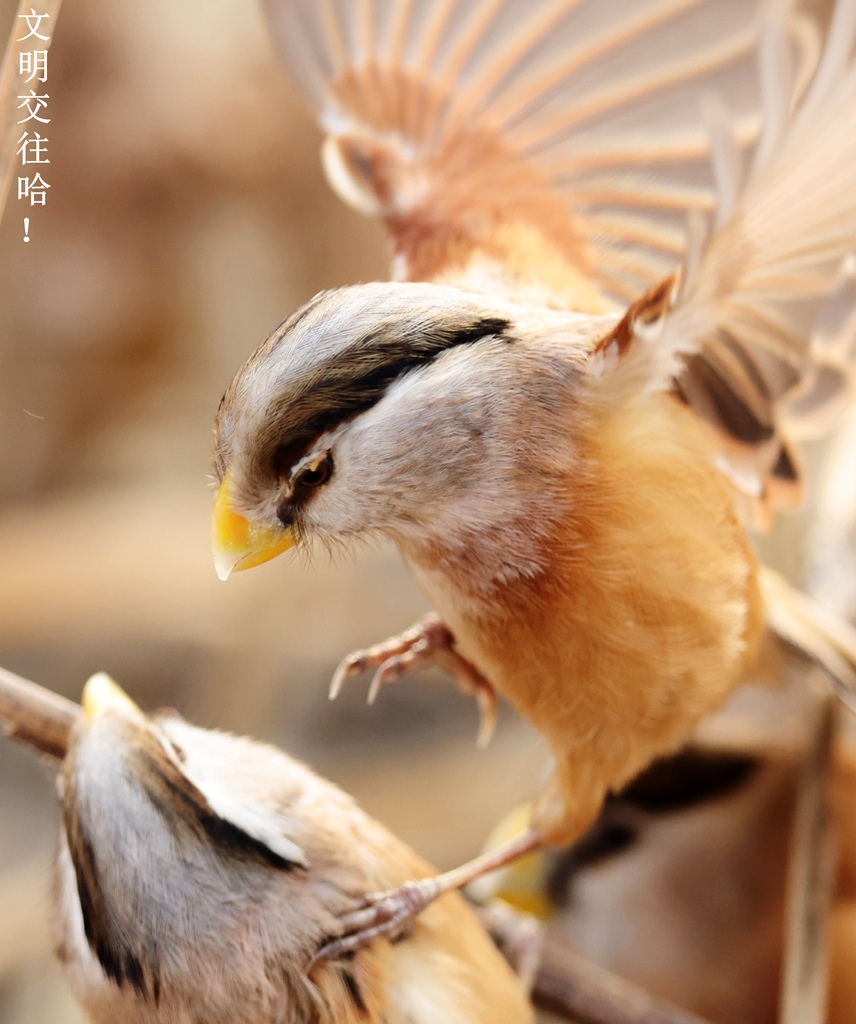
{"points": [[338, 391]]}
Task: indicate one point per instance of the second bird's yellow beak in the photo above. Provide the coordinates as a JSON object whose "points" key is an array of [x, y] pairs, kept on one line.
{"points": [[240, 544], [101, 693]]}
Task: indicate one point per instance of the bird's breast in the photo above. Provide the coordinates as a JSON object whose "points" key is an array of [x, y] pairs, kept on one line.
{"points": [[647, 610]]}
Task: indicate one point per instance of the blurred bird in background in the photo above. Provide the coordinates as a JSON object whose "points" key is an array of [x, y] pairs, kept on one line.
{"points": [[568, 427], [686, 867], [199, 873]]}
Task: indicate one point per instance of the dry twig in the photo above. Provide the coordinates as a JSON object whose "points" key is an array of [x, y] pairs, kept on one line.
{"points": [[566, 984], [571, 987], [33, 715]]}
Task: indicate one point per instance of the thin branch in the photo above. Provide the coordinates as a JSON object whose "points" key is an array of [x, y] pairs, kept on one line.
{"points": [[568, 985], [33, 715], [571, 987]]}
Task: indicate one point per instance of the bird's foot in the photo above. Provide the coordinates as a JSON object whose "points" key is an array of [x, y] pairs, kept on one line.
{"points": [[380, 915], [388, 914], [429, 642]]}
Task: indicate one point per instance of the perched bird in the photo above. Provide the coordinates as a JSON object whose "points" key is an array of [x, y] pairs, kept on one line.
{"points": [[580, 390], [199, 873]]}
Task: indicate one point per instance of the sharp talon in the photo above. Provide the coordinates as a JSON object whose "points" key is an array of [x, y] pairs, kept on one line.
{"points": [[332, 950], [488, 711], [393, 668], [338, 681], [386, 673], [487, 727], [351, 666], [426, 642], [376, 684], [322, 954]]}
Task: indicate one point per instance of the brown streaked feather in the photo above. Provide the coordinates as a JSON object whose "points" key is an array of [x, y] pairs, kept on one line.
{"points": [[643, 313], [438, 228], [505, 134], [741, 339]]}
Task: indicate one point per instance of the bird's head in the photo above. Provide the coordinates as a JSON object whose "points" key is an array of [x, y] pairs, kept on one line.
{"points": [[179, 877], [382, 409]]}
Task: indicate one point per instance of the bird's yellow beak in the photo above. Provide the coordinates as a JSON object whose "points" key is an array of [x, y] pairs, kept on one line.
{"points": [[240, 544], [102, 694]]}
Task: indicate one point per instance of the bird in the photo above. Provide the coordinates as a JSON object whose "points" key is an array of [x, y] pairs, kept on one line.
{"points": [[695, 856], [199, 873], [615, 227], [641, 892]]}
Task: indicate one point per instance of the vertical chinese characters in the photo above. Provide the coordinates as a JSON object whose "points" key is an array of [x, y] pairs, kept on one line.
{"points": [[32, 145]]}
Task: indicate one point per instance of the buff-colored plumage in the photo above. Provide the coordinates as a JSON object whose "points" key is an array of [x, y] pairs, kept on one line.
{"points": [[199, 873], [645, 656], [569, 475]]}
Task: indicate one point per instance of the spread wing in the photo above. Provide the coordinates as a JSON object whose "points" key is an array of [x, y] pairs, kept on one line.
{"points": [[738, 335], [550, 146]]}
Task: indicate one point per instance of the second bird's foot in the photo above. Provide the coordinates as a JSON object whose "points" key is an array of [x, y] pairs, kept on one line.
{"points": [[382, 915]]}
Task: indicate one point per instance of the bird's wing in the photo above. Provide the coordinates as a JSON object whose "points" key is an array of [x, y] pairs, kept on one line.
{"points": [[554, 144], [226, 812], [736, 332]]}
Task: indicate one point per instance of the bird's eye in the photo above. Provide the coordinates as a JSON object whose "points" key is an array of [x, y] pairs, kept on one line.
{"points": [[316, 473]]}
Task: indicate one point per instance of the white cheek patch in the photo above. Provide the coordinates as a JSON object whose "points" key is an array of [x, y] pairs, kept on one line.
{"points": [[254, 821]]}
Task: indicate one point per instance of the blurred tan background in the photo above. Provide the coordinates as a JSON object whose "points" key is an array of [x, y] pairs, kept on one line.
{"points": [[187, 216]]}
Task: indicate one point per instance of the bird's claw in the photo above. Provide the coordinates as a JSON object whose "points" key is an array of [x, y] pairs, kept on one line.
{"points": [[394, 668], [391, 658], [381, 915], [428, 642], [387, 914]]}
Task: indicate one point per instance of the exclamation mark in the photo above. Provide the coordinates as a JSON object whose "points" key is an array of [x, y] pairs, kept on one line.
{"points": [[26, 229]]}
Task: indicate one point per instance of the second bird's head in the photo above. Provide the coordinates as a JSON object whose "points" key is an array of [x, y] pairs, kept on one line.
{"points": [[384, 409]]}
